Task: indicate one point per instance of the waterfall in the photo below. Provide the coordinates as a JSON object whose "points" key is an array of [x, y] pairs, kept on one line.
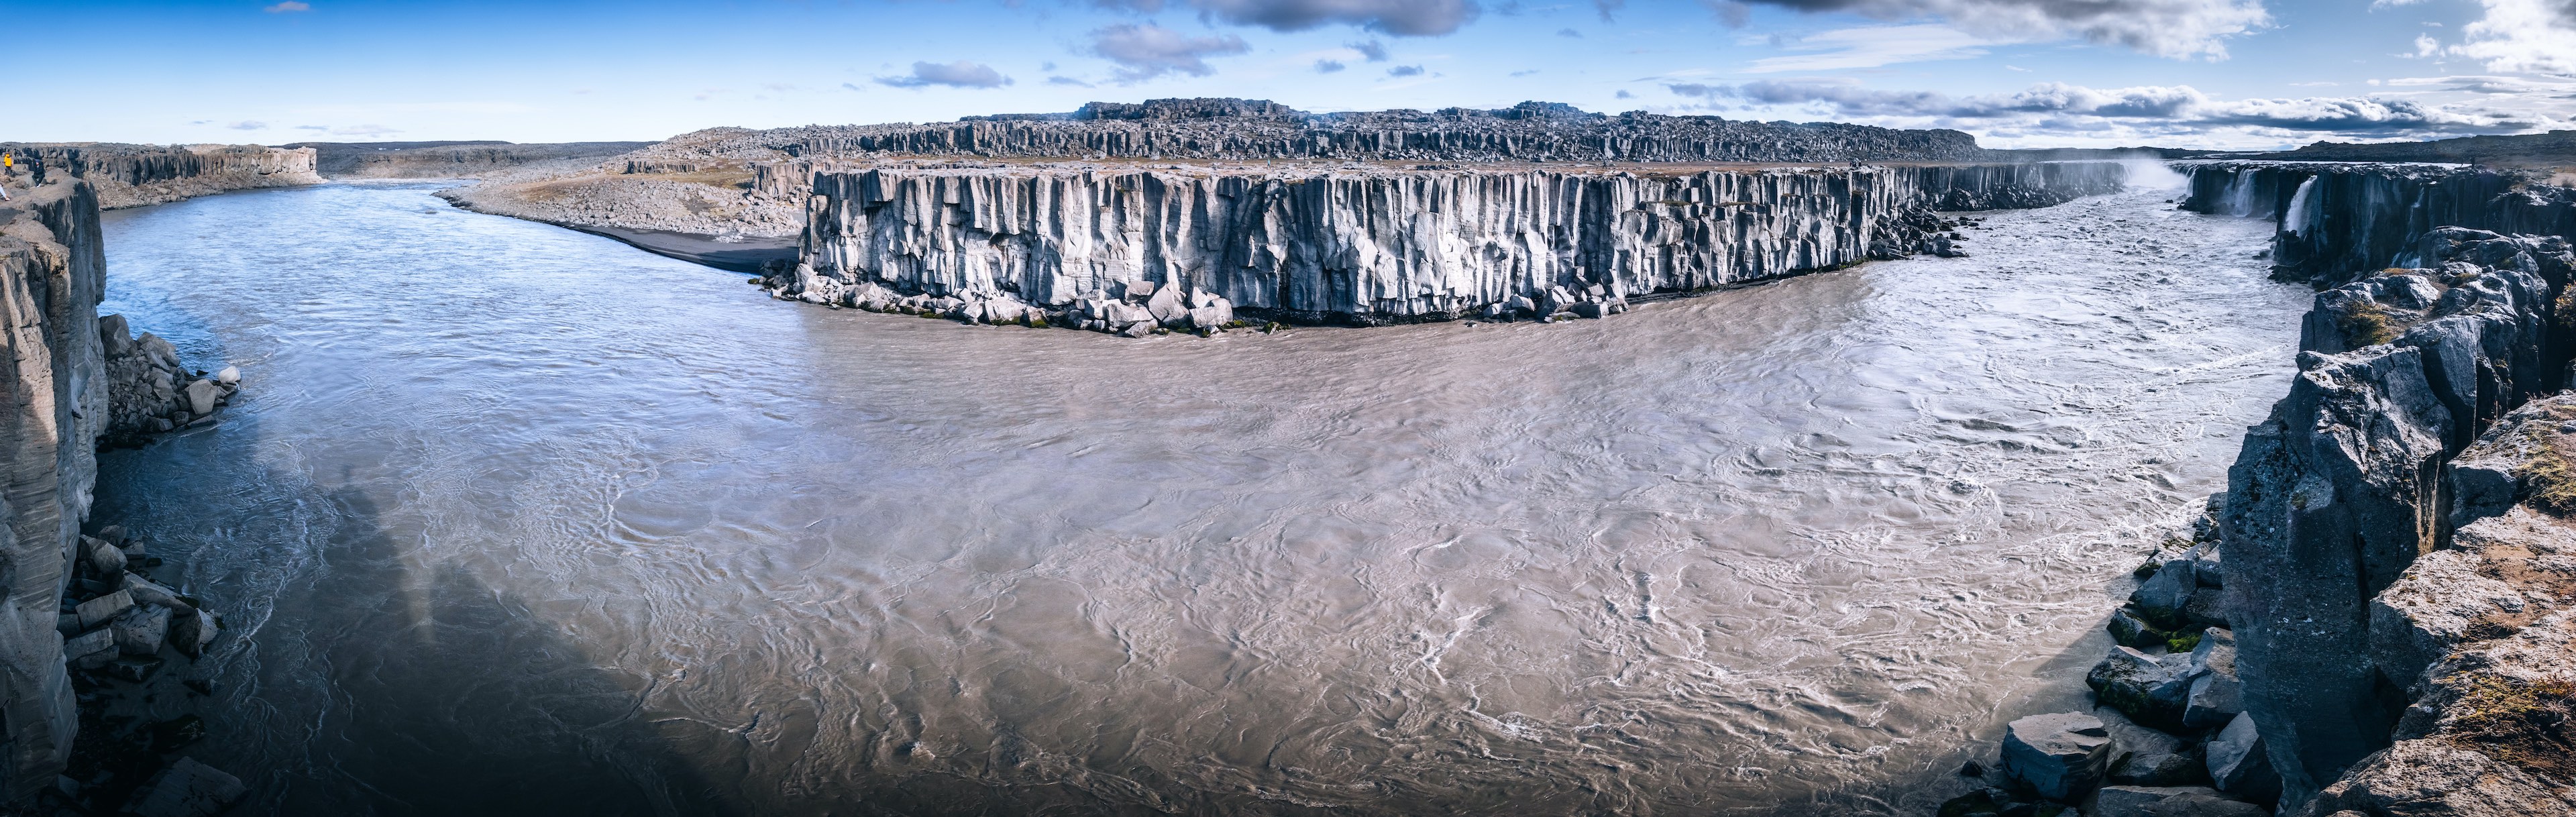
{"points": [[2304, 211], [2240, 194]]}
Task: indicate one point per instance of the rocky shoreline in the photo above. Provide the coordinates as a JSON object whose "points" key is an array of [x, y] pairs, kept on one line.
{"points": [[2375, 619], [99, 652]]}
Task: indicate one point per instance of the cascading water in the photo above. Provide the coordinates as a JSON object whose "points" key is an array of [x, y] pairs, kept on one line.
{"points": [[2303, 208]]}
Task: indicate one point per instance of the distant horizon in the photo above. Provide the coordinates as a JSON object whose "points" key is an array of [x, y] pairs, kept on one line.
{"points": [[2205, 74]]}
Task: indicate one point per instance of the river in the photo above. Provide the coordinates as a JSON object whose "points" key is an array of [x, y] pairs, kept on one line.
{"points": [[516, 520]]}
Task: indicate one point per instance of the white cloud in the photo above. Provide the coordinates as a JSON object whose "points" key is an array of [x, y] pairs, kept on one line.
{"points": [[2168, 28], [2537, 36], [959, 74], [1410, 18], [1874, 46], [1145, 51], [248, 124], [2171, 110], [288, 6]]}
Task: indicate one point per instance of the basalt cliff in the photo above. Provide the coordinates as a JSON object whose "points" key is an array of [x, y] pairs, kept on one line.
{"points": [[81, 609], [2376, 619], [1076, 245], [137, 175]]}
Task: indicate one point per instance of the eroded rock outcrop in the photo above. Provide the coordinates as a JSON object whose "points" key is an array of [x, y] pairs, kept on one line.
{"points": [[1368, 246], [137, 175], [52, 273], [2340, 492], [2340, 221], [2480, 637]]}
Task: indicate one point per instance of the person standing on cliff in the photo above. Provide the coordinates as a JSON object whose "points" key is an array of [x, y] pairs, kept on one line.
{"points": [[8, 168]]}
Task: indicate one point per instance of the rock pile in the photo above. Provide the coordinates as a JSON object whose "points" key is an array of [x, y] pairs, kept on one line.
{"points": [[123, 632], [150, 393]]}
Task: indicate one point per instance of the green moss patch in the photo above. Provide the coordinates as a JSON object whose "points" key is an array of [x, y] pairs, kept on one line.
{"points": [[2526, 723], [2366, 323]]}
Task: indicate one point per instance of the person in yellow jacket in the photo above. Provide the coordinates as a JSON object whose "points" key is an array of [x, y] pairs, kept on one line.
{"points": [[8, 168]]}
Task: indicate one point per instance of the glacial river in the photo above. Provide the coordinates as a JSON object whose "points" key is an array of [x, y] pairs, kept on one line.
{"points": [[517, 520]]}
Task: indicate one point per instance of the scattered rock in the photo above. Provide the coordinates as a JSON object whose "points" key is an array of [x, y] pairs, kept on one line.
{"points": [[92, 649], [2060, 755], [2216, 694], [2149, 689], [104, 557], [141, 630], [2239, 762], [99, 611], [2169, 801]]}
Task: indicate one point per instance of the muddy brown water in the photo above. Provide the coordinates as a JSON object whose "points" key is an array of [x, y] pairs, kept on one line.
{"points": [[517, 520]]}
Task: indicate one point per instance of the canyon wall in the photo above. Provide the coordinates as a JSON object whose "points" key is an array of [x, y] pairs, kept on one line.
{"points": [[454, 160], [1376, 245], [2338, 221], [2398, 571], [137, 175], [52, 275]]}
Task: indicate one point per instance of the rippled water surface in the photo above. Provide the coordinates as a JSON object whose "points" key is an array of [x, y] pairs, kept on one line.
{"points": [[523, 521]]}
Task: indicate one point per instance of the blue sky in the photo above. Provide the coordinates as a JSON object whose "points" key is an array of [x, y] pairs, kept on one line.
{"points": [[2017, 73]]}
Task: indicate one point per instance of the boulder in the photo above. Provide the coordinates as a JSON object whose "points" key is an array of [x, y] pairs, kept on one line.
{"points": [[147, 591], [1166, 307], [201, 396], [2131, 631], [2141, 756], [2176, 768], [99, 611], [2239, 762], [191, 631], [114, 336], [186, 789], [2169, 801], [2216, 695], [2060, 755], [90, 650], [230, 376], [1139, 291], [1208, 318], [2148, 688], [141, 630], [104, 557]]}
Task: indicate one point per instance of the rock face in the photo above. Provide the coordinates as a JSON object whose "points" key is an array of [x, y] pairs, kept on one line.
{"points": [[452, 160], [1368, 246], [2338, 222], [2336, 495], [137, 175], [52, 273]]}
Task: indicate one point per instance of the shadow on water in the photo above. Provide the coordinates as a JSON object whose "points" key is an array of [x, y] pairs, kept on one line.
{"points": [[424, 725], [445, 744]]}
